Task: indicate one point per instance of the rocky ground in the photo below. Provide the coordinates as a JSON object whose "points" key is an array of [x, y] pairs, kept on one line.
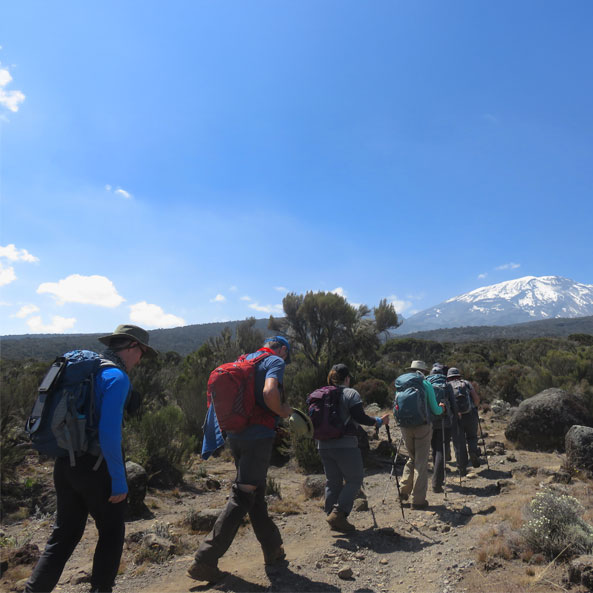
{"points": [[458, 544]]}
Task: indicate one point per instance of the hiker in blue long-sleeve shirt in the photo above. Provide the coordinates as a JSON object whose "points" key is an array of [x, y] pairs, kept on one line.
{"points": [[96, 485]]}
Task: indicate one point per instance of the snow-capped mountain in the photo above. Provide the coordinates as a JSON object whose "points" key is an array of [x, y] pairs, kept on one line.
{"points": [[516, 301]]}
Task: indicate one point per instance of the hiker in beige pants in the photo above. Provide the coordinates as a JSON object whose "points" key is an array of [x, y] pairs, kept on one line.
{"points": [[415, 477]]}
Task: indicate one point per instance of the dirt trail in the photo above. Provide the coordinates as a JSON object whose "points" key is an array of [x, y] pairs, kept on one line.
{"points": [[432, 551]]}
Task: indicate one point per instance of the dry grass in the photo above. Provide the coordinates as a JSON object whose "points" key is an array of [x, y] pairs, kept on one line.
{"points": [[18, 572], [511, 510], [285, 507]]}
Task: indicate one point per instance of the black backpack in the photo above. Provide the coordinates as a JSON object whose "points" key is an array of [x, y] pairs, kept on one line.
{"points": [[462, 392]]}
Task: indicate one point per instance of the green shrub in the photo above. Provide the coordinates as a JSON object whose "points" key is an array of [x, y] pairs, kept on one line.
{"points": [[555, 526], [307, 456], [159, 442], [273, 488], [374, 391]]}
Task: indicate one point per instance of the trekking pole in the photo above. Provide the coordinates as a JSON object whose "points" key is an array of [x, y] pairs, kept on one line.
{"points": [[444, 460], [483, 440], [393, 471]]}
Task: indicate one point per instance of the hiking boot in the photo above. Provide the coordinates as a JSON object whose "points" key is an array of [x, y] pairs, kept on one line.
{"points": [[200, 571], [338, 522], [420, 506], [276, 556], [475, 460]]}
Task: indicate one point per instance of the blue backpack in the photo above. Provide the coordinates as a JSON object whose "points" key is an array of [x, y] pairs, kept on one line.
{"points": [[441, 392], [323, 406], [411, 406], [63, 422]]}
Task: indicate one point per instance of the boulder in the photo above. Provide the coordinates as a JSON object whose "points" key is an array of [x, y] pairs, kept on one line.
{"points": [[579, 448], [137, 484], [314, 486], [500, 408], [580, 571], [203, 520], [542, 421]]}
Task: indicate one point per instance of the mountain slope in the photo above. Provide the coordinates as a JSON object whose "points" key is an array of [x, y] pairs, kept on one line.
{"points": [[516, 301]]}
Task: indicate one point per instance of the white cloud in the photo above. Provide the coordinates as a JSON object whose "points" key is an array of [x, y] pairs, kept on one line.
{"points": [[122, 192], [482, 276], [509, 266], [11, 253], [146, 314], [281, 288], [245, 298], [400, 304], [339, 291], [25, 311], [233, 288], [219, 298], [88, 290], [119, 191], [58, 325], [7, 274], [9, 99], [267, 308]]}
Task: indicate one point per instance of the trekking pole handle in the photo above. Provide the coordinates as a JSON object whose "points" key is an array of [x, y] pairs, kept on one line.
{"points": [[388, 434]]}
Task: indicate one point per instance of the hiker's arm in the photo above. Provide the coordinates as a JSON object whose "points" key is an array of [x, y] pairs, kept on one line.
{"points": [[359, 415], [475, 396], [436, 409], [114, 386], [452, 401], [273, 398]]}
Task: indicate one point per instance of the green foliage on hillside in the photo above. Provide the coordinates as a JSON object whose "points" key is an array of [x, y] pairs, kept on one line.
{"points": [[324, 329]]}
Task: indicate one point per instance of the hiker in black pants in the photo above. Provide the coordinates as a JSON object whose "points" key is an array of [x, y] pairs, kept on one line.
{"points": [[467, 421], [99, 490], [446, 422]]}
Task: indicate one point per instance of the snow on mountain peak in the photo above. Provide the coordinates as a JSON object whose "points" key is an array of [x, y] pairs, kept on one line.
{"points": [[513, 301]]}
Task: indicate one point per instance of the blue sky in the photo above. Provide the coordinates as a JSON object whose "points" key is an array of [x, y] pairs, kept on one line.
{"points": [[192, 161]]}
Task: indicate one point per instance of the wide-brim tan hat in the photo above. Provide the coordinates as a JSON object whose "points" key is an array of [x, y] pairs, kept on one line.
{"points": [[300, 424], [419, 365], [134, 333]]}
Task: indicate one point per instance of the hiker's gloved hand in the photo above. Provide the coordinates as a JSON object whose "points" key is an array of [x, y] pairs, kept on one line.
{"points": [[117, 498]]}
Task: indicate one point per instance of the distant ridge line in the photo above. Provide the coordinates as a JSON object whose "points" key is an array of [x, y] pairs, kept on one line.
{"points": [[560, 327], [189, 338]]}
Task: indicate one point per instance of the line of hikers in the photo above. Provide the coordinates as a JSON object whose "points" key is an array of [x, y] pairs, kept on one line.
{"points": [[78, 419]]}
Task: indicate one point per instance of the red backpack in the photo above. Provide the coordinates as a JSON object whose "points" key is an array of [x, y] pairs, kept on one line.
{"points": [[231, 388]]}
